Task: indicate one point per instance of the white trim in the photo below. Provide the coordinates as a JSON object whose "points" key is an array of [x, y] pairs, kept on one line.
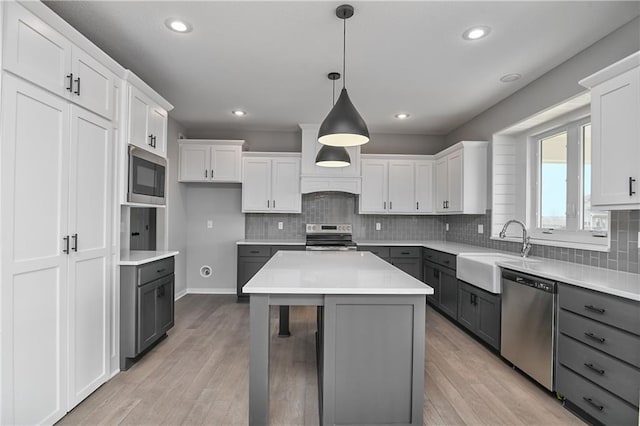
{"points": [[180, 295], [558, 243], [211, 290]]}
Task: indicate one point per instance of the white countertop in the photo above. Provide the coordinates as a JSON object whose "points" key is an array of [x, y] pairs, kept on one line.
{"points": [[623, 284], [272, 242], [445, 246], [313, 272], [140, 257]]}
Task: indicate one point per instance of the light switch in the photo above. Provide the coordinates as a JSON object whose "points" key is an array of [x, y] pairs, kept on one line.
{"points": [[480, 228], [209, 224], [378, 226], [280, 226]]}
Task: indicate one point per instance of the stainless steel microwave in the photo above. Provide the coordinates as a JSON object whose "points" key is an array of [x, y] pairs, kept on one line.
{"points": [[146, 177]]}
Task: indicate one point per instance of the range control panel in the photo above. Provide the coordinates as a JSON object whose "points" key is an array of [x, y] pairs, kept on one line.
{"points": [[322, 228]]}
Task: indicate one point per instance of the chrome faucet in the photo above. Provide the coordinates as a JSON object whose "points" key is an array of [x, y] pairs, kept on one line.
{"points": [[526, 244]]}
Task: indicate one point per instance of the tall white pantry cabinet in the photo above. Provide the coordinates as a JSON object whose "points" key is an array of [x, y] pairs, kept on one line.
{"points": [[61, 109]]}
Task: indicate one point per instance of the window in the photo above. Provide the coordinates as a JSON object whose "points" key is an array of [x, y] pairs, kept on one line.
{"points": [[561, 205]]}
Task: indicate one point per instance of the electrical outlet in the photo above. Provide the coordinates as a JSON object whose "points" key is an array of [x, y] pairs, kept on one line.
{"points": [[209, 224], [446, 226], [280, 226], [480, 228], [378, 226]]}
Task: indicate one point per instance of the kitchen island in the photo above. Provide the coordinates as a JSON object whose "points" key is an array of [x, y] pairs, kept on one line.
{"points": [[371, 335]]}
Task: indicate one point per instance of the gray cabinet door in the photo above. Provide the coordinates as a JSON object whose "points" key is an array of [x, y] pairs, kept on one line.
{"points": [[408, 265], [164, 303], [449, 292], [147, 306], [467, 313], [431, 277], [247, 268], [488, 320]]}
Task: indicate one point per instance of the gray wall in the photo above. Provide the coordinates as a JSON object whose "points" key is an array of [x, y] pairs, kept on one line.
{"points": [[177, 207]]}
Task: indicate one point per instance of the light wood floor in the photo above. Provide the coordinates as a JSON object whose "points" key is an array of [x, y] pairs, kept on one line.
{"points": [[199, 375]]}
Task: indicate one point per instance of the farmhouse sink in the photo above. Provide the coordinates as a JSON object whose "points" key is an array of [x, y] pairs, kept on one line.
{"points": [[480, 269]]}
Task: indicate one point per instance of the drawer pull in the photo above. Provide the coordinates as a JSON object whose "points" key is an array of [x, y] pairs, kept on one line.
{"points": [[594, 309], [254, 252], [593, 404], [592, 368], [447, 262], [405, 253], [161, 270], [594, 337]]}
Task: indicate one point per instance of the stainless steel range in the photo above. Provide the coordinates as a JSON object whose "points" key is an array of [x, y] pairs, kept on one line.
{"points": [[330, 237]]}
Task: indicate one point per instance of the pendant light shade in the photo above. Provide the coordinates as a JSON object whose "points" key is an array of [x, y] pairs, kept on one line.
{"points": [[333, 156], [344, 125]]}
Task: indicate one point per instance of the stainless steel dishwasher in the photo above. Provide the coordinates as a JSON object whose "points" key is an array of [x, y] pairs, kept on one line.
{"points": [[528, 324]]}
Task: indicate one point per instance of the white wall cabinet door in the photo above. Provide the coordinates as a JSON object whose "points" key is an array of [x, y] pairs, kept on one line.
{"points": [[615, 112], [442, 184], [256, 185], [35, 153], [195, 163], [33, 50], [138, 119], [92, 84], [455, 179], [157, 129], [424, 186], [285, 186], [90, 183], [375, 190], [225, 163], [401, 186]]}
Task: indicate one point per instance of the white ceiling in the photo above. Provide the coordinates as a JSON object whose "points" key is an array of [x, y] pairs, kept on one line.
{"points": [[271, 58]]}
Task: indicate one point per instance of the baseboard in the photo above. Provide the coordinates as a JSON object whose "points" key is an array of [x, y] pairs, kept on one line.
{"points": [[211, 291], [180, 294]]}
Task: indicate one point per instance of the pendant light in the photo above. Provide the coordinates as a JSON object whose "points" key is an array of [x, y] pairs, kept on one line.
{"points": [[343, 126], [333, 156]]}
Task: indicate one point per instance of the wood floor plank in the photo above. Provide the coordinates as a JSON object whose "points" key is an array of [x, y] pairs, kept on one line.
{"points": [[198, 375]]}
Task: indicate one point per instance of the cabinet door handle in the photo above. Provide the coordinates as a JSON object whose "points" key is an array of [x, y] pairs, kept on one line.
{"points": [[150, 143], [594, 309], [77, 92], [384, 205], [593, 404], [390, 205], [160, 292], [267, 203], [631, 181], [66, 244], [406, 253], [75, 242], [70, 77], [471, 298], [205, 173], [159, 271], [594, 337], [593, 368], [155, 138], [417, 205]]}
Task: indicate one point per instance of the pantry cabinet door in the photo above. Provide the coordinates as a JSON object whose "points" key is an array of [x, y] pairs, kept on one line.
{"points": [[34, 209], [401, 187], [91, 153], [33, 50]]}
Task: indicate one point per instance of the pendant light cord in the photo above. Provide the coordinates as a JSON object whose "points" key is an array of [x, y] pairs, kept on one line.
{"points": [[344, 50]]}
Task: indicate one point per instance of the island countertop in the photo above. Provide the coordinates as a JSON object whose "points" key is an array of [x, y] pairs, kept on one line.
{"points": [[317, 272]]}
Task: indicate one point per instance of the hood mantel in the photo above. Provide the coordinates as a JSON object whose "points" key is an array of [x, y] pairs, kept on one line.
{"points": [[320, 179]]}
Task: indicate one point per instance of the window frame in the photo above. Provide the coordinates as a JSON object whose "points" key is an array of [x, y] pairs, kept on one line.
{"points": [[573, 235]]}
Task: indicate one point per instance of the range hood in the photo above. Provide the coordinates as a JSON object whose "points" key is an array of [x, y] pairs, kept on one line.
{"points": [[321, 179]]}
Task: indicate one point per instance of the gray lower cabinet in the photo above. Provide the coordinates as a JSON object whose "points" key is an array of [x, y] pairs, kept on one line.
{"points": [[408, 259], [598, 354], [449, 292], [479, 311], [431, 277], [253, 257], [146, 307], [439, 272]]}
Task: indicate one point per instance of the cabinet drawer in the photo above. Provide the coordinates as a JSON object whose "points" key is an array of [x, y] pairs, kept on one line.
{"points": [[612, 310], [446, 259], [254, 251], [617, 343], [377, 250], [405, 251], [594, 400], [275, 249], [429, 254], [154, 270], [613, 375]]}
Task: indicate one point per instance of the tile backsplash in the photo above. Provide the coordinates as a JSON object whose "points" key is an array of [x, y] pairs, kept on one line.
{"points": [[339, 207]]}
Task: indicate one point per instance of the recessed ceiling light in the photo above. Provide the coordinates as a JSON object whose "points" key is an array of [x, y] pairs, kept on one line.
{"points": [[402, 116], [510, 78], [476, 33], [178, 25], [239, 113]]}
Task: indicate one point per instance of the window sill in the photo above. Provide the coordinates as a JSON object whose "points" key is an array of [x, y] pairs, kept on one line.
{"points": [[556, 243]]}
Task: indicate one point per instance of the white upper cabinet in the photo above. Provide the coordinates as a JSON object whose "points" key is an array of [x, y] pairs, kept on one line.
{"points": [[615, 135], [271, 183], [396, 184], [147, 123], [36, 52], [461, 178], [204, 160]]}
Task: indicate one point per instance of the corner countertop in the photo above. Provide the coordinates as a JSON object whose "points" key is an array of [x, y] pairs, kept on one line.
{"points": [[623, 284], [306, 272], [140, 257], [271, 242]]}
